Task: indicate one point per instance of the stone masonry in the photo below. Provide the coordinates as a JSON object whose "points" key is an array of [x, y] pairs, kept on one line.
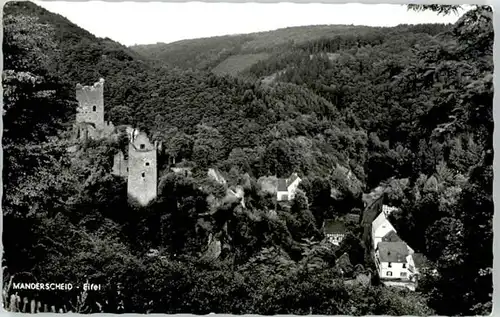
{"points": [[90, 122], [140, 167]]}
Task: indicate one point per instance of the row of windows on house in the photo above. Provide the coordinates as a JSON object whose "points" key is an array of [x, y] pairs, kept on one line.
{"points": [[390, 264], [401, 274], [389, 273]]}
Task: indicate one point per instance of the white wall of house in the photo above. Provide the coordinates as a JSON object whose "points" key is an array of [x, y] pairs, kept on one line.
{"points": [[380, 227], [392, 274], [290, 193], [293, 188], [283, 195], [335, 239], [394, 270], [387, 210]]}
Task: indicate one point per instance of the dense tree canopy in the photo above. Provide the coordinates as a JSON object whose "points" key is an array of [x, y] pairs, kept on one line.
{"points": [[346, 107]]}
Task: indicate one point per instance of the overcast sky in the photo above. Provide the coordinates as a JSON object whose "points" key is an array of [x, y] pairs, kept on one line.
{"points": [[150, 22]]}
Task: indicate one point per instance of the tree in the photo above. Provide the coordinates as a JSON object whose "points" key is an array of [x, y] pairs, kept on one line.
{"points": [[208, 147]]}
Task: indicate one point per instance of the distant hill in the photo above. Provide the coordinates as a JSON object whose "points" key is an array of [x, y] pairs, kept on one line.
{"points": [[236, 53], [344, 107]]}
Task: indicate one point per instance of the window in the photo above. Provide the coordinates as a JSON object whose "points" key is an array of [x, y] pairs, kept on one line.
{"points": [[143, 174], [94, 108], [403, 274], [388, 273], [127, 169], [142, 146], [404, 265], [147, 163], [389, 265]]}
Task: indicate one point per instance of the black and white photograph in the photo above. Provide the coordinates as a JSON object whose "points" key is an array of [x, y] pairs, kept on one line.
{"points": [[247, 158]]}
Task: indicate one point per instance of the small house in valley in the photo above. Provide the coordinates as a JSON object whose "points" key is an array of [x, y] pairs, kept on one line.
{"points": [[381, 226], [335, 231], [393, 257], [395, 264], [287, 187]]}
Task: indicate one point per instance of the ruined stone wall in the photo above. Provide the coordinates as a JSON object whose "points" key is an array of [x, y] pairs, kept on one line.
{"points": [[84, 131], [120, 165], [108, 129], [142, 169], [91, 104], [141, 166]]}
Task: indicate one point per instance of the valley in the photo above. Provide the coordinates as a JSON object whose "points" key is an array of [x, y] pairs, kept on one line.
{"points": [[274, 154]]}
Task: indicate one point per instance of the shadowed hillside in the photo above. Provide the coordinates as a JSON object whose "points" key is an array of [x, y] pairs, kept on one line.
{"points": [[404, 110]]}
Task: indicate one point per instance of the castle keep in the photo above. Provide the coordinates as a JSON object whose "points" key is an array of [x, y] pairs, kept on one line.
{"points": [[140, 166], [90, 122]]}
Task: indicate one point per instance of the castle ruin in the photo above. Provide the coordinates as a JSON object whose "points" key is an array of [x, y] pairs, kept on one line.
{"points": [[90, 122], [140, 165]]}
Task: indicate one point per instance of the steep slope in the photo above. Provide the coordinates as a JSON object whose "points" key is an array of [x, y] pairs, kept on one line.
{"points": [[406, 102], [235, 54], [154, 98]]}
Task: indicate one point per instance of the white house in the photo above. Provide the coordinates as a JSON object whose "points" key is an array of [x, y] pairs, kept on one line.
{"points": [[395, 264], [381, 227], [287, 187], [335, 231], [393, 257]]}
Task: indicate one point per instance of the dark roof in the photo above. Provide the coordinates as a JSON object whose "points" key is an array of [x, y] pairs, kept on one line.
{"points": [[284, 183], [391, 236], [372, 211], [334, 227], [291, 179], [419, 259], [352, 218], [393, 252], [282, 187]]}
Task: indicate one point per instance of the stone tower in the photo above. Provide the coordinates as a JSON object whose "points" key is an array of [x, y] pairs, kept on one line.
{"points": [[91, 104], [142, 168]]}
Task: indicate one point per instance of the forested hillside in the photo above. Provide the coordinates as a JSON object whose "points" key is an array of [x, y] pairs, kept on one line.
{"points": [[234, 54], [348, 108]]}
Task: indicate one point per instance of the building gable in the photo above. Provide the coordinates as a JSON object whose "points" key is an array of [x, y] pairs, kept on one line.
{"points": [[294, 177]]}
